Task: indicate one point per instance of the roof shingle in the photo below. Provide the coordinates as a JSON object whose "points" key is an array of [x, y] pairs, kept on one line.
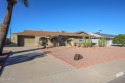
{"points": [[46, 33]]}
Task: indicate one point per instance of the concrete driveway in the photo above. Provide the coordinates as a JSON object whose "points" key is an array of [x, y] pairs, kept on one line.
{"points": [[29, 65]]}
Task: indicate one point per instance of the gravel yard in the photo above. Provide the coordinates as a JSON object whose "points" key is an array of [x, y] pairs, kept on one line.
{"points": [[91, 56]]}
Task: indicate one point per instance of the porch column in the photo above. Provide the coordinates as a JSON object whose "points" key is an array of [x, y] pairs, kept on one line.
{"points": [[37, 41]]}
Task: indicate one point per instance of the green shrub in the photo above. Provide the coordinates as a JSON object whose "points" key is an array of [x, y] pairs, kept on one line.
{"points": [[102, 42], [119, 39], [87, 42], [84, 42]]}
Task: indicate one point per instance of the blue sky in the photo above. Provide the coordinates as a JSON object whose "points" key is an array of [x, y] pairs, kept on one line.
{"points": [[68, 15]]}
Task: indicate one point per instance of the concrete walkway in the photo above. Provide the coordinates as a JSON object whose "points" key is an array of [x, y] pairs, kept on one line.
{"points": [[29, 65]]}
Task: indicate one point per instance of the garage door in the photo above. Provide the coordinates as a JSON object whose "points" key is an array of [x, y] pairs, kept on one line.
{"points": [[29, 41], [26, 40]]}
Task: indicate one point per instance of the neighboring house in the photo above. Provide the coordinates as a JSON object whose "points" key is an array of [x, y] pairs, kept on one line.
{"points": [[38, 38], [108, 38]]}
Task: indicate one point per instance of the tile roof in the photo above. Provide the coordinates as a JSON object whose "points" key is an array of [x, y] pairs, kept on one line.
{"points": [[46, 33]]}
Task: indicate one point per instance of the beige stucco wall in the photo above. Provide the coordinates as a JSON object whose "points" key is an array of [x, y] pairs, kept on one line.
{"points": [[14, 39], [76, 40]]}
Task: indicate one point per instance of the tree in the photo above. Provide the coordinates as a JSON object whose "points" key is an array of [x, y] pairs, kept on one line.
{"points": [[119, 39], [0, 26], [7, 19]]}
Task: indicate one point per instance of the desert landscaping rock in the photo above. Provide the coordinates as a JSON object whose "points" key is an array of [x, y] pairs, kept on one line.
{"points": [[78, 57]]}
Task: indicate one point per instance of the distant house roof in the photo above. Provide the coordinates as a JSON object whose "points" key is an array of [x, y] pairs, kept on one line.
{"points": [[94, 35], [105, 35], [46, 33], [98, 34]]}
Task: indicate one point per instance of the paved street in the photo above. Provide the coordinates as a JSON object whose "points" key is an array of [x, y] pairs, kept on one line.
{"points": [[118, 80], [29, 65]]}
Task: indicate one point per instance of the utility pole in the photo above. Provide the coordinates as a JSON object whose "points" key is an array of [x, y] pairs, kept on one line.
{"points": [[10, 35]]}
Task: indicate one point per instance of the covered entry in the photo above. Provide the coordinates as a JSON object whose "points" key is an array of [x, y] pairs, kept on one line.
{"points": [[63, 42], [43, 41], [54, 41]]}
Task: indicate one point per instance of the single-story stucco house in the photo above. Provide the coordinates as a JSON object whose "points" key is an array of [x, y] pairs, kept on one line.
{"points": [[40, 38], [108, 38]]}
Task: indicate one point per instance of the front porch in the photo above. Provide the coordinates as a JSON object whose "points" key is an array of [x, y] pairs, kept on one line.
{"points": [[59, 41]]}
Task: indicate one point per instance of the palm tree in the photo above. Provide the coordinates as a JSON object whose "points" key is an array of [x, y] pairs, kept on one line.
{"points": [[0, 26], [7, 19]]}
